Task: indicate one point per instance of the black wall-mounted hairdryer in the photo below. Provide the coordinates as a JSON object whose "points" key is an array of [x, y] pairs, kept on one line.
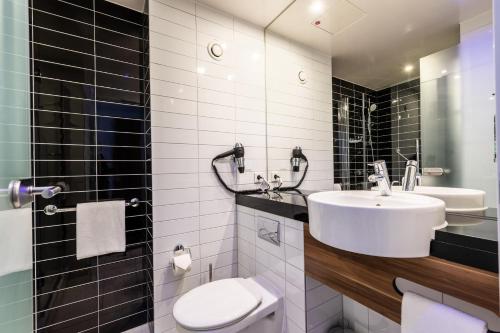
{"points": [[297, 157], [238, 153], [295, 160]]}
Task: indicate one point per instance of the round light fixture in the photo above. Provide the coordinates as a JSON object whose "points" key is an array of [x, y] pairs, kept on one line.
{"points": [[215, 50], [316, 7], [408, 68]]}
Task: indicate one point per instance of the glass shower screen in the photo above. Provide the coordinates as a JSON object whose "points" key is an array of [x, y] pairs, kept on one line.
{"points": [[16, 299]]}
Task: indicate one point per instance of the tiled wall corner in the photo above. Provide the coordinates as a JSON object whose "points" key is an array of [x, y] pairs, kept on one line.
{"points": [[299, 114], [364, 320], [395, 123], [281, 265], [199, 108], [324, 306]]}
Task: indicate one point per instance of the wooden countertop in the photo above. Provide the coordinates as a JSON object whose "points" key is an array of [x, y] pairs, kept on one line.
{"points": [[369, 280]]}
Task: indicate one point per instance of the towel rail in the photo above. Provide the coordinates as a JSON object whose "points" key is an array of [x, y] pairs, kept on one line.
{"points": [[52, 209]]}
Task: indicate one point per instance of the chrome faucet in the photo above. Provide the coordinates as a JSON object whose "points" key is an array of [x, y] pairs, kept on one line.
{"points": [[263, 183], [411, 177], [381, 177]]}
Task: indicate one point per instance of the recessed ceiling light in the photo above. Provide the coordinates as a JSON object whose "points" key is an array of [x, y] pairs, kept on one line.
{"points": [[408, 68], [316, 7], [444, 71]]}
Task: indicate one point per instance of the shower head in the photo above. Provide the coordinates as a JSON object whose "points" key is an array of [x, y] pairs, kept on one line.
{"points": [[373, 107]]}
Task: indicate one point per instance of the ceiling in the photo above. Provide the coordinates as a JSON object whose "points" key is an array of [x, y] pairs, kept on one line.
{"points": [[137, 5], [259, 12], [371, 41]]}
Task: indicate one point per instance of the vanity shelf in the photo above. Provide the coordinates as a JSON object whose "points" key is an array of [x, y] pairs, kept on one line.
{"points": [[370, 280]]}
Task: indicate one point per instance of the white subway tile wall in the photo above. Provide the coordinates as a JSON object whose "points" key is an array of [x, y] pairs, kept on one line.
{"points": [[199, 108], [282, 265], [324, 307], [299, 114], [310, 306]]}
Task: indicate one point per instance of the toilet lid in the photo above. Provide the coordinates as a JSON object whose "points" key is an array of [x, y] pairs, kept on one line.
{"points": [[216, 304]]}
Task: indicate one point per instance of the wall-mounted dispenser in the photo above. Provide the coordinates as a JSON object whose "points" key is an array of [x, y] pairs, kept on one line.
{"points": [[181, 263]]}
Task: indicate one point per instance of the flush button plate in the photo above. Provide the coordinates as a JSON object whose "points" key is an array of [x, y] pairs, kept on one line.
{"points": [[269, 230]]}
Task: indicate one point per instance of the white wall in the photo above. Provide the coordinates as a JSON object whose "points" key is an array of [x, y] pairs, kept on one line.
{"points": [[200, 107], [309, 305], [299, 114]]}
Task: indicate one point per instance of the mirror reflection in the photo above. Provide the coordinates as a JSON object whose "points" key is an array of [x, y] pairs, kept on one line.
{"points": [[415, 91]]}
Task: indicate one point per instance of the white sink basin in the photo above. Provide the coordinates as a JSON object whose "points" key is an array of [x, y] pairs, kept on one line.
{"points": [[457, 200], [398, 226]]}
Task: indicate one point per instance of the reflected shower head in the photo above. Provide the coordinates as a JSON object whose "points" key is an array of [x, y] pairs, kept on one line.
{"points": [[373, 107]]}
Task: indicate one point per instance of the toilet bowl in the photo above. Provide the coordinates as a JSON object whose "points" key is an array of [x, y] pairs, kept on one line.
{"points": [[231, 305]]}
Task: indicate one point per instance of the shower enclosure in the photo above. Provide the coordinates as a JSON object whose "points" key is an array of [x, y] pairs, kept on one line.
{"points": [[16, 301], [352, 136], [371, 125]]}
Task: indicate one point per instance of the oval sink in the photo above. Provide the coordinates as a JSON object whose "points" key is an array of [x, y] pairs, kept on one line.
{"points": [[398, 226], [457, 200]]}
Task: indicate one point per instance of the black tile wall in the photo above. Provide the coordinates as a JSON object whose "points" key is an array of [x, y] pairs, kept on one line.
{"points": [[90, 105], [397, 125], [349, 146], [394, 124]]}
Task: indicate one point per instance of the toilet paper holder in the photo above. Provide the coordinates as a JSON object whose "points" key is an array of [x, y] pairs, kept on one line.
{"points": [[179, 249]]}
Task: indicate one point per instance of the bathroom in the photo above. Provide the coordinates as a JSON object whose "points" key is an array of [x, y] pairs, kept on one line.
{"points": [[241, 166]]}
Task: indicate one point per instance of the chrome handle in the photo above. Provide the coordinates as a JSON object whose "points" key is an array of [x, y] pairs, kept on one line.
{"points": [[433, 171], [20, 195], [46, 192]]}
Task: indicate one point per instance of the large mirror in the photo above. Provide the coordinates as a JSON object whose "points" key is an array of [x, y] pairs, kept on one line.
{"points": [[410, 81]]}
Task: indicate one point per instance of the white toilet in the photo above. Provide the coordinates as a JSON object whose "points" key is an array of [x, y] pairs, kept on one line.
{"points": [[232, 305]]}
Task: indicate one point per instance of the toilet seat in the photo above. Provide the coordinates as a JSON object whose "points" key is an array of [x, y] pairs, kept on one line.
{"points": [[217, 304]]}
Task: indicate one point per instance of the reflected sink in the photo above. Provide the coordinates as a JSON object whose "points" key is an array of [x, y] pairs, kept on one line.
{"points": [[457, 200], [398, 226]]}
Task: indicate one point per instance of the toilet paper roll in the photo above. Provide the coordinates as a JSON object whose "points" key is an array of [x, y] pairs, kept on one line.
{"points": [[182, 263]]}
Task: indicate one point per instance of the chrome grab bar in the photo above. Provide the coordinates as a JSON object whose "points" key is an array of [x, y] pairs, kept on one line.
{"points": [[52, 209], [20, 195]]}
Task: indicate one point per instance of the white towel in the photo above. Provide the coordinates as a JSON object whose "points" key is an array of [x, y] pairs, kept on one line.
{"points": [[100, 228], [421, 315], [15, 241]]}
